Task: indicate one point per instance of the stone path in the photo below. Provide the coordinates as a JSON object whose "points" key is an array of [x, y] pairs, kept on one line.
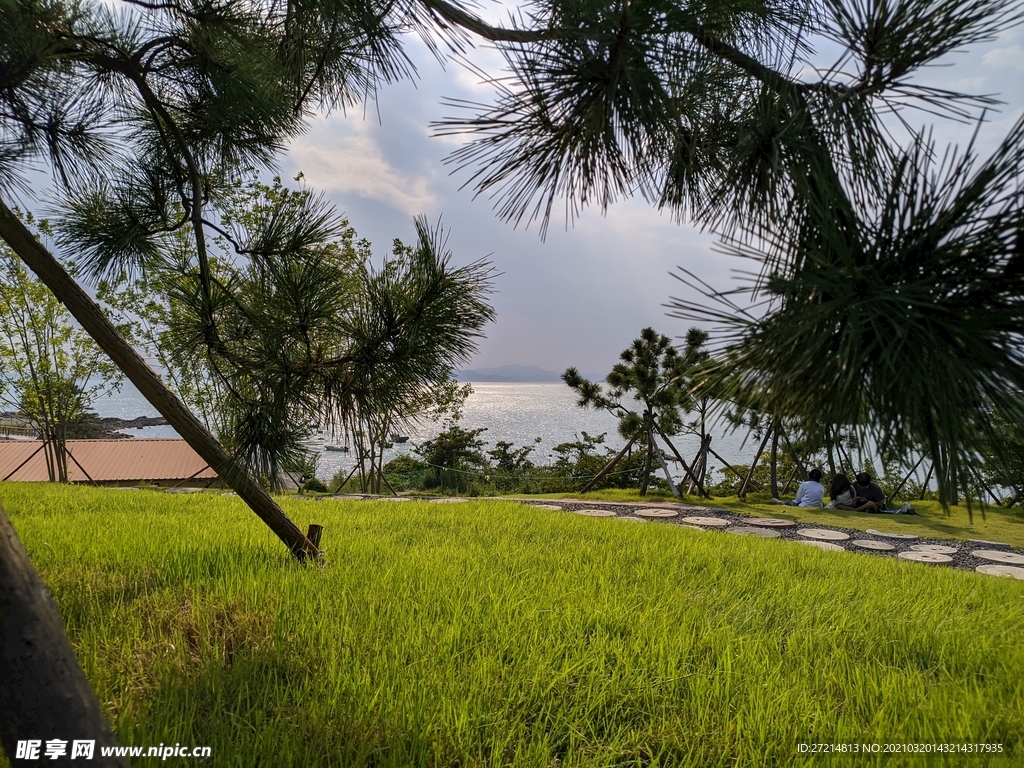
{"points": [[988, 557]]}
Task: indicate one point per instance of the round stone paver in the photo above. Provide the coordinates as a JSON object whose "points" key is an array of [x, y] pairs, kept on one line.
{"points": [[770, 522], [653, 512], [925, 557], [989, 544], [714, 522], [451, 500], [822, 545], [935, 549], [874, 546], [1002, 570], [594, 512], [900, 536], [749, 530], [823, 534], [1007, 558]]}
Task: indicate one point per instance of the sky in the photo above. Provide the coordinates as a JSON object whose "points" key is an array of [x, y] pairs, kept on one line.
{"points": [[580, 296]]}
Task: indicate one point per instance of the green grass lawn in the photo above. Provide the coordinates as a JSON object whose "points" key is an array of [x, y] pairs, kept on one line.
{"points": [[982, 522], [493, 634]]}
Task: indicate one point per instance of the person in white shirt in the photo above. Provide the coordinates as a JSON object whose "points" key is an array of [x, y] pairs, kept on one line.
{"points": [[810, 493]]}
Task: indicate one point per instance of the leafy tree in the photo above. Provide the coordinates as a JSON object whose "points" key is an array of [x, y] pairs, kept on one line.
{"points": [[452, 455], [1003, 466], [658, 377], [308, 331], [51, 371]]}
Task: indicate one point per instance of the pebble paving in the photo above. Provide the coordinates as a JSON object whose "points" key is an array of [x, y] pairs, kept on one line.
{"points": [[986, 557]]}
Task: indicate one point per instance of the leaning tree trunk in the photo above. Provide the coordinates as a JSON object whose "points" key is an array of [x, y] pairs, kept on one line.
{"points": [[608, 467], [43, 692], [775, 464], [96, 324]]}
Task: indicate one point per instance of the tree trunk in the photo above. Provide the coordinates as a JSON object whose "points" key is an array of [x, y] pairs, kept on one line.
{"points": [[96, 324], [775, 464], [608, 467], [43, 692], [648, 460], [691, 472], [753, 465], [664, 468]]}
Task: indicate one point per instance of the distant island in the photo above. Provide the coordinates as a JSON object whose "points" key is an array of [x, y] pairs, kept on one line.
{"points": [[521, 374]]}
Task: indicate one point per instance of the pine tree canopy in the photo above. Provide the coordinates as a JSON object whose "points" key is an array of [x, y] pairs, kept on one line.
{"points": [[888, 275]]}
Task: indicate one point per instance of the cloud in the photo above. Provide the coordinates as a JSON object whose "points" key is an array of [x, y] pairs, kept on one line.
{"points": [[342, 156], [1011, 57]]}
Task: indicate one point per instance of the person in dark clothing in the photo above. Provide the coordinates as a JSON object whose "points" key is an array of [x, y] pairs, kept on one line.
{"points": [[844, 496], [866, 489]]}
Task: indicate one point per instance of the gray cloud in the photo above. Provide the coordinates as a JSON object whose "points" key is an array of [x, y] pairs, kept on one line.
{"points": [[580, 297]]}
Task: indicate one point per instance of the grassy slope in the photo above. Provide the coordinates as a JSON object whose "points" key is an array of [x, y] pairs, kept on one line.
{"points": [[988, 522], [490, 634]]}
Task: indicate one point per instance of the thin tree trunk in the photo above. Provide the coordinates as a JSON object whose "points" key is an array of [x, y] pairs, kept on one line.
{"points": [[775, 464], [828, 452], [927, 479], [608, 467], [789, 481], [664, 468], [725, 463], [753, 465], [43, 691], [96, 324], [687, 469], [903, 482], [648, 460]]}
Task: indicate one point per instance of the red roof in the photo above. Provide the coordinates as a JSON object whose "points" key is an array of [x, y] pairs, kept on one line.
{"points": [[107, 461]]}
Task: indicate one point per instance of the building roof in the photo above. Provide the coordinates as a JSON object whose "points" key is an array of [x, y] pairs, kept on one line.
{"points": [[107, 461]]}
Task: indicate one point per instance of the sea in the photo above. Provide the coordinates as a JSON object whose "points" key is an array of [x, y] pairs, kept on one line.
{"points": [[515, 412]]}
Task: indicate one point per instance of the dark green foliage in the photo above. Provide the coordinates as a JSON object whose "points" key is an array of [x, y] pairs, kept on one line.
{"points": [[1003, 466], [912, 332], [315, 486], [454, 457], [579, 461], [405, 473]]}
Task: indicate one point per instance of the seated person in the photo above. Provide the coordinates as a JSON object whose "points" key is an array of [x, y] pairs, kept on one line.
{"points": [[810, 493], [869, 491], [844, 496]]}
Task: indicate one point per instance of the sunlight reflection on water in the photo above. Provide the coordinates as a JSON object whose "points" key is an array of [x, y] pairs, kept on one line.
{"points": [[518, 413]]}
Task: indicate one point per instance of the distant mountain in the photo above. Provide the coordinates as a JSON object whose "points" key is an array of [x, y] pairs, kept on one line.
{"points": [[523, 374], [512, 373]]}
